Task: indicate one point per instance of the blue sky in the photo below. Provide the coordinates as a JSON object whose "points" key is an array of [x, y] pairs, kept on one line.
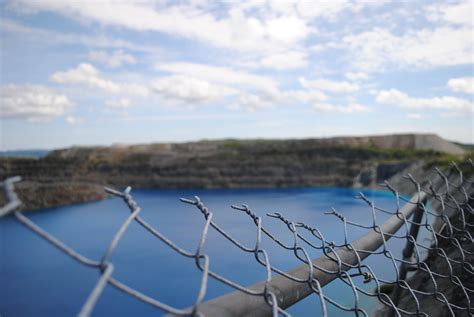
{"points": [[102, 72]]}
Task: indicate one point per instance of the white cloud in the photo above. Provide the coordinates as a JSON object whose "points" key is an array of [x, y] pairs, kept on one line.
{"points": [[453, 114], [456, 13], [397, 98], [189, 90], [351, 108], [415, 116], [463, 84], [356, 76], [134, 89], [49, 37], [32, 102], [72, 120], [119, 103], [251, 102], [209, 84], [235, 30], [87, 75], [252, 91], [303, 96], [271, 98], [224, 75], [114, 59], [329, 85], [286, 29], [328, 9], [373, 50], [286, 60]]}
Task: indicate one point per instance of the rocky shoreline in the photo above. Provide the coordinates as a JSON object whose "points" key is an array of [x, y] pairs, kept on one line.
{"points": [[78, 174]]}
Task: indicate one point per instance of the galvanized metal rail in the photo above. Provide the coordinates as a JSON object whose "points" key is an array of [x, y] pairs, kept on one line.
{"points": [[288, 292]]}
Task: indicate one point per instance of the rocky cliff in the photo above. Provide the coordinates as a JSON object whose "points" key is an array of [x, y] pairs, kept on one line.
{"points": [[78, 174]]}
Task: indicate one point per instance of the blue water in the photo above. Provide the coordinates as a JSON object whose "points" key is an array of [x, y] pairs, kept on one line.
{"points": [[38, 280]]}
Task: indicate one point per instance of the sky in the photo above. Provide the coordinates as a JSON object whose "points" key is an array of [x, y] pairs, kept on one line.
{"points": [[104, 72]]}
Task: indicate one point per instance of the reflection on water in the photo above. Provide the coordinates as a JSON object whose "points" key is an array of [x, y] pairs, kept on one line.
{"points": [[37, 279]]}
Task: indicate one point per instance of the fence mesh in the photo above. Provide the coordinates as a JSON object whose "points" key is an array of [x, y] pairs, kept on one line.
{"points": [[445, 264]]}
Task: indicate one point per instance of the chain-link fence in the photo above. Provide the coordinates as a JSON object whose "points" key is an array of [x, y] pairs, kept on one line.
{"points": [[444, 264]]}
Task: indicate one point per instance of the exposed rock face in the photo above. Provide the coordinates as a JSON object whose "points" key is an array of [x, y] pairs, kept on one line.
{"points": [[375, 173], [359, 162], [405, 141], [35, 195]]}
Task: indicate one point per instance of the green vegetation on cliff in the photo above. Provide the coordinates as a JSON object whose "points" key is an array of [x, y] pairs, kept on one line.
{"points": [[349, 162]]}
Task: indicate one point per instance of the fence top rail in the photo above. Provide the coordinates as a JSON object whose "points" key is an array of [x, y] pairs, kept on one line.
{"points": [[289, 292]]}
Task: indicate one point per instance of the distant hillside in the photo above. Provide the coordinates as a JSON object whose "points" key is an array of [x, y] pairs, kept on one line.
{"points": [[25, 153], [405, 141], [417, 142], [465, 146], [344, 161]]}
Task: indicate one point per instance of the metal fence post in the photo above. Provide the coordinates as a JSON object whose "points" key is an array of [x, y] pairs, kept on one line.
{"points": [[408, 252]]}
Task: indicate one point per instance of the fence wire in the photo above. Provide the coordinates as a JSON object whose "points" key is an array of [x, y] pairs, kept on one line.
{"points": [[451, 242]]}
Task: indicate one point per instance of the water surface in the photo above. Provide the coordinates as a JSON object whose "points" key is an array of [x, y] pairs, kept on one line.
{"points": [[39, 280]]}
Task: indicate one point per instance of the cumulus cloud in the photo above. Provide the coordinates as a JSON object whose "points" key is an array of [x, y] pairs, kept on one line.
{"points": [[119, 103], [189, 90], [459, 13], [303, 96], [114, 59], [237, 29], [268, 29], [356, 76], [251, 91], [415, 116], [191, 83], [397, 98], [351, 108], [224, 75], [250, 26], [50, 37], [463, 84], [451, 114], [329, 85], [87, 75], [328, 9], [251, 102], [286, 29], [32, 102], [373, 50], [269, 99], [72, 120], [286, 60]]}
